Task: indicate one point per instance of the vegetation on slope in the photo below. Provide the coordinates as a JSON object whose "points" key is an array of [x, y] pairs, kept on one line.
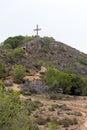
{"points": [[2, 70], [16, 41], [42, 51], [16, 114], [66, 83]]}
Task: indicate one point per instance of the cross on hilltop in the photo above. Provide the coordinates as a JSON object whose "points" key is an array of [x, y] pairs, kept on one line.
{"points": [[37, 29]]}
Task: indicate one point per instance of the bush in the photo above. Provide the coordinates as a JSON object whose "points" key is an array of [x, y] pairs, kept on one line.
{"points": [[82, 60], [41, 121], [2, 70], [57, 80], [13, 42], [47, 64], [48, 40], [2, 86], [29, 38], [14, 113], [16, 54], [32, 106], [46, 43], [53, 126], [62, 82], [62, 48], [10, 56], [66, 122], [18, 73]]}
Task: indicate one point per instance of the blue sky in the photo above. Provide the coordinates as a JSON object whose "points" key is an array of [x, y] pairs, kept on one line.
{"points": [[65, 20]]}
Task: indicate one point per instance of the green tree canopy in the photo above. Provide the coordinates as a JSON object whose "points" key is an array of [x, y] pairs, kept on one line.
{"points": [[13, 42], [69, 83]]}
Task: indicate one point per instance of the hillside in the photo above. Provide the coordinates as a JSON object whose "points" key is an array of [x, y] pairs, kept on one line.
{"points": [[42, 84], [62, 56]]}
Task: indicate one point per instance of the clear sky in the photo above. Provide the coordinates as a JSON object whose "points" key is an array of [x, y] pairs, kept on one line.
{"points": [[65, 20]]}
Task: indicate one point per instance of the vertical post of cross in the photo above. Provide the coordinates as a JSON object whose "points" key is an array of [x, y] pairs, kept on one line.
{"points": [[37, 29]]}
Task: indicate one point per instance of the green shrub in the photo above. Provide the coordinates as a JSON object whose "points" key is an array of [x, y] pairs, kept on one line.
{"points": [[82, 60], [17, 41], [66, 122], [62, 48], [13, 42], [10, 56], [47, 64], [32, 106], [2, 86], [48, 40], [14, 55], [84, 88], [14, 114], [41, 121], [2, 70], [53, 126], [29, 38], [18, 73], [45, 48], [46, 44], [62, 82]]}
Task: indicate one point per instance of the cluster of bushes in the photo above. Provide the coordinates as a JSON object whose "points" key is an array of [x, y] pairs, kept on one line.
{"points": [[46, 43], [17, 41], [14, 113], [66, 83], [47, 64], [18, 72], [66, 122], [16, 54]]}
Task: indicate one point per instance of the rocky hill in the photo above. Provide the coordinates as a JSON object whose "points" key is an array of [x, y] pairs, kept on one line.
{"points": [[44, 81], [40, 51], [62, 56]]}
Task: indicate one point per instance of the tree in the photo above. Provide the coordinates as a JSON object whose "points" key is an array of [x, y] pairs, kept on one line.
{"points": [[18, 73], [68, 83], [77, 85]]}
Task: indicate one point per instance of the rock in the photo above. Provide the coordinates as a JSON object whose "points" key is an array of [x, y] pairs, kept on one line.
{"points": [[65, 107], [8, 83]]}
